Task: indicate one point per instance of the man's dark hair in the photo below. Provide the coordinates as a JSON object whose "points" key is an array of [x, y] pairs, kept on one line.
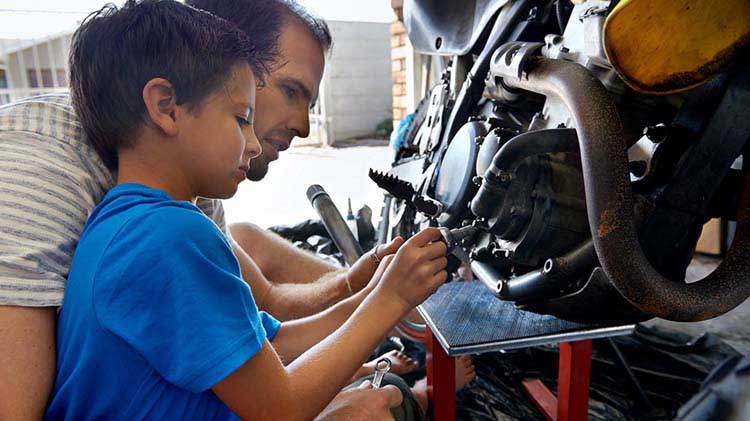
{"points": [[315, 24], [115, 52], [248, 16]]}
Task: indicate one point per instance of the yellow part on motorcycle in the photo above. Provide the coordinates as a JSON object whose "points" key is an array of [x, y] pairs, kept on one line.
{"points": [[667, 46]]}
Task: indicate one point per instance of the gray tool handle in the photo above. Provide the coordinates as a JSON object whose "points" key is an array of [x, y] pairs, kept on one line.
{"points": [[334, 223]]}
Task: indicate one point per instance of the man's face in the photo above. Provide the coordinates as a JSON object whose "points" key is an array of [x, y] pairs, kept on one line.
{"points": [[283, 104]]}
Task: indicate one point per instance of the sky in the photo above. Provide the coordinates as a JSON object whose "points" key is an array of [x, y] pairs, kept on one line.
{"points": [[39, 18]]}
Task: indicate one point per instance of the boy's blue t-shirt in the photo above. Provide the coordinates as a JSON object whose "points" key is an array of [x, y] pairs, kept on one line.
{"points": [[155, 313]]}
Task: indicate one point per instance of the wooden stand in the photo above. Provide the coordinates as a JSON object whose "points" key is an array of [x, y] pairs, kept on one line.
{"points": [[441, 380], [573, 378], [465, 318]]}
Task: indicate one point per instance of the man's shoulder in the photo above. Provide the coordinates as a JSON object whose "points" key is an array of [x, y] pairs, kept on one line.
{"points": [[213, 209], [49, 115], [56, 101]]}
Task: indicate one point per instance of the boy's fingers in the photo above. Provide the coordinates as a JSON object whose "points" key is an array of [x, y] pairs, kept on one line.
{"points": [[439, 279], [425, 237], [435, 250], [437, 265], [393, 394]]}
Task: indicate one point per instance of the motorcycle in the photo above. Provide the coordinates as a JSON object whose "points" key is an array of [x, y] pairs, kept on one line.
{"points": [[571, 152]]}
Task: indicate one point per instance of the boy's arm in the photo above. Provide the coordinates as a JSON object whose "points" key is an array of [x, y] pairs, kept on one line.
{"points": [[297, 336], [263, 388], [293, 301]]}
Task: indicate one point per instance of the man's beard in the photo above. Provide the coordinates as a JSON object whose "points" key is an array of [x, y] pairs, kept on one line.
{"points": [[257, 169]]}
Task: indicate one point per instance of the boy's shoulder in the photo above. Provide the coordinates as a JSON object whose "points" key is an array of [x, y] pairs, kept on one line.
{"points": [[173, 223], [143, 218]]}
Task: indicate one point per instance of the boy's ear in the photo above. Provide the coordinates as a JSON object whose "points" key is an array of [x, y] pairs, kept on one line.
{"points": [[161, 105]]}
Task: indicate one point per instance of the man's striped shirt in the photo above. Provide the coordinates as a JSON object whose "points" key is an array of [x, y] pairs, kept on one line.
{"points": [[50, 180]]}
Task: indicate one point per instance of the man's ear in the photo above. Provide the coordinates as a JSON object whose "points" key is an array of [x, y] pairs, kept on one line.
{"points": [[161, 105]]}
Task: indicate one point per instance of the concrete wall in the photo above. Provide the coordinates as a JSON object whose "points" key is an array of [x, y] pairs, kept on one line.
{"points": [[357, 83]]}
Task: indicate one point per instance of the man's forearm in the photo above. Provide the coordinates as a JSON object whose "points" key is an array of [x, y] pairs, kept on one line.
{"points": [[278, 259], [294, 301], [291, 301]]}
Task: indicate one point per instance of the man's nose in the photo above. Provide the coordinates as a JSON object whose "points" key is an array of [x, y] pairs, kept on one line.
{"points": [[300, 124]]}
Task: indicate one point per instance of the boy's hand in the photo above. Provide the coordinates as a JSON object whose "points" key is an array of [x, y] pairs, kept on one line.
{"points": [[417, 270], [362, 271], [363, 404]]}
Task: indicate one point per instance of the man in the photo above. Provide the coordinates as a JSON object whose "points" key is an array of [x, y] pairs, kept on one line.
{"points": [[309, 285], [51, 179]]}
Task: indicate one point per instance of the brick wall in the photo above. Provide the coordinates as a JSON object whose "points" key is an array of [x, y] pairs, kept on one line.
{"points": [[398, 63]]}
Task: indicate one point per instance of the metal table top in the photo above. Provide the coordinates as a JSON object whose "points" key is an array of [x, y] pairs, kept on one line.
{"points": [[467, 319]]}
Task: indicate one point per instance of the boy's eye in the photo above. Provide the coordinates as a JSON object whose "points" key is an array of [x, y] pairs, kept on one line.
{"points": [[242, 121]]}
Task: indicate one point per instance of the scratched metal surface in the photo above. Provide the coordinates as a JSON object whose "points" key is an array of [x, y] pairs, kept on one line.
{"points": [[467, 314]]}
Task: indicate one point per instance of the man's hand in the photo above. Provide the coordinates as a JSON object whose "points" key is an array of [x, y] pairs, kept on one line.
{"points": [[362, 270], [363, 404]]}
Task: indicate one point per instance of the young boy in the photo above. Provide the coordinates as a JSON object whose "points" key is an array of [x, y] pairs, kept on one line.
{"points": [[156, 322]]}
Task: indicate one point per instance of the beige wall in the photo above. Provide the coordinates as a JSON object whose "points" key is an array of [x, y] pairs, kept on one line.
{"points": [[357, 85]]}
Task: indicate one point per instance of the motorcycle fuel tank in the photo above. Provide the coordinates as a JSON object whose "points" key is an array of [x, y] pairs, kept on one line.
{"points": [[448, 27]]}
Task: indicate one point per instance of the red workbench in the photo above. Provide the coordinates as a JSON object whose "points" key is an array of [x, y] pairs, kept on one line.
{"points": [[465, 318]]}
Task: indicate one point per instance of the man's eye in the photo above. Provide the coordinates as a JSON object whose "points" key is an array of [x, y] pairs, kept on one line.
{"points": [[242, 121], [289, 92]]}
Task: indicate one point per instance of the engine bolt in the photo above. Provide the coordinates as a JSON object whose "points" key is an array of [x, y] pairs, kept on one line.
{"points": [[656, 134]]}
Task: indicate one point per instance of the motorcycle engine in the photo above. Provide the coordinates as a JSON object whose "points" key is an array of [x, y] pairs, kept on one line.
{"points": [[542, 202]]}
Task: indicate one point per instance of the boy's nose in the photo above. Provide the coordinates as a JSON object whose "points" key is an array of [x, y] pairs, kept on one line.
{"points": [[252, 147]]}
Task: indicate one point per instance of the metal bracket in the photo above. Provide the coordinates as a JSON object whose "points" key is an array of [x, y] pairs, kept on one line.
{"points": [[510, 59]]}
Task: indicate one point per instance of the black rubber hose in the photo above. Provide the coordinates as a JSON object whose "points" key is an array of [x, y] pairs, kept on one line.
{"points": [[489, 198]]}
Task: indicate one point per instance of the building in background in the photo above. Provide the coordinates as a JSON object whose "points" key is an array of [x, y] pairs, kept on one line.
{"points": [[33, 67], [355, 95], [413, 74], [357, 83]]}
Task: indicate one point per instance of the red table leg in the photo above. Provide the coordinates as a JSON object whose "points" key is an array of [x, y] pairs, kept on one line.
{"points": [[572, 402], [441, 380], [573, 381]]}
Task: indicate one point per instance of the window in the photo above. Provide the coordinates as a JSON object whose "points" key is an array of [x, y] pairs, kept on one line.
{"points": [[47, 81], [3, 80], [62, 78]]}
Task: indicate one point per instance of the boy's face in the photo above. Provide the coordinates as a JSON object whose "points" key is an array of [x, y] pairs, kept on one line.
{"points": [[219, 139]]}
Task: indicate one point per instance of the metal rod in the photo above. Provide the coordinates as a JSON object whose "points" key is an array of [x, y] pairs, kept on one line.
{"points": [[334, 223]]}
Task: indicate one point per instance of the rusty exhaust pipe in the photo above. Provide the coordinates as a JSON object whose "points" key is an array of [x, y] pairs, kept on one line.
{"points": [[609, 198]]}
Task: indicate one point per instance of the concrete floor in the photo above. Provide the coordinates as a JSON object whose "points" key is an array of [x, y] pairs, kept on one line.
{"points": [[280, 199]]}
